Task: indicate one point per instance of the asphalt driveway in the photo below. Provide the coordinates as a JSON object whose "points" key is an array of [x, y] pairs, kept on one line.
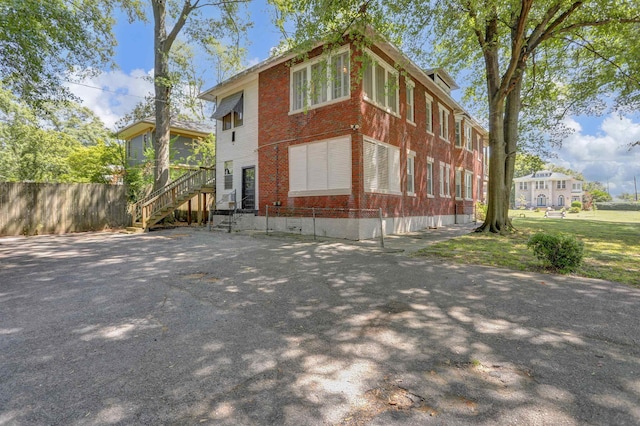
{"points": [[185, 326]]}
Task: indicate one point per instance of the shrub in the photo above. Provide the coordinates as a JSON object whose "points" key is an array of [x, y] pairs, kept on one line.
{"points": [[577, 204], [574, 210], [561, 252], [481, 211]]}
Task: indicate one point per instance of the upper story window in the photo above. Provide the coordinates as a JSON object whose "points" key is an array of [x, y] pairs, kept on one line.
{"points": [[320, 80], [576, 186], [429, 114], [523, 186], [561, 184], [410, 86], [444, 123], [468, 142], [541, 184], [231, 111], [458, 134], [380, 83]]}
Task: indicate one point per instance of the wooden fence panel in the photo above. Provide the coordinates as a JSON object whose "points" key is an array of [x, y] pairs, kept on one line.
{"points": [[43, 208]]}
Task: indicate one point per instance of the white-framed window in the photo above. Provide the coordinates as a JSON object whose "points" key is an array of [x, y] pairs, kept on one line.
{"points": [[320, 80], [410, 89], [444, 123], [458, 133], [541, 184], [523, 186], [228, 174], [561, 184], [320, 168], [458, 182], [429, 113], [429, 177], [381, 167], [468, 142], [468, 185], [411, 167], [380, 83], [576, 186], [445, 180], [235, 117]]}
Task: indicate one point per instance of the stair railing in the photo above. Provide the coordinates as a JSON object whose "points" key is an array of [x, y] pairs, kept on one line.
{"points": [[168, 196]]}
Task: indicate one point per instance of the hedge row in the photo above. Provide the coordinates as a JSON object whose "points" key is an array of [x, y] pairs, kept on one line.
{"points": [[629, 206]]}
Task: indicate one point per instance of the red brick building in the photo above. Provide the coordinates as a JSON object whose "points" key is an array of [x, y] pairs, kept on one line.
{"points": [[348, 129]]}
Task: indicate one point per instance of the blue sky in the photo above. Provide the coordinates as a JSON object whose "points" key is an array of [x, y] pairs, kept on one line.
{"points": [[597, 148]]}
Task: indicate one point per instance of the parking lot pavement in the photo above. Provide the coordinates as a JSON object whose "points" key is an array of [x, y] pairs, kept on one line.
{"points": [[186, 326]]}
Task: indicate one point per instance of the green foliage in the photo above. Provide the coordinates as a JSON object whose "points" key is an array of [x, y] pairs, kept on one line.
{"points": [[599, 196], [574, 210], [561, 252], [629, 206], [481, 210], [576, 204], [99, 163], [627, 197], [527, 164]]}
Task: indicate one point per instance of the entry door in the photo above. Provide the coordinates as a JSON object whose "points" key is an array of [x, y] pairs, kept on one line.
{"points": [[249, 188]]}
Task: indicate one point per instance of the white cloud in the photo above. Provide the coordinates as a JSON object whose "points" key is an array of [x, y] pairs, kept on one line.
{"points": [[112, 94], [604, 157]]}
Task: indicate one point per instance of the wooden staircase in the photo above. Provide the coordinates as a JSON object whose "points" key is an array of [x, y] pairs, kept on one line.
{"points": [[159, 204]]}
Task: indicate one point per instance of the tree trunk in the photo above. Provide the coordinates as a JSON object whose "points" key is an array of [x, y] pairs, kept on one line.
{"points": [[162, 95]]}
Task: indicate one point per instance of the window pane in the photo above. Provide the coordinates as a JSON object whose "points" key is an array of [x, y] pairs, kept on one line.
{"points": [[226, 122], [340, 77], [370, 166], [429, 116], [318, 89], [299, 89], [367, 79], [392, 90], [383, 167], [381, 81], [410, 103], [430, 178]]}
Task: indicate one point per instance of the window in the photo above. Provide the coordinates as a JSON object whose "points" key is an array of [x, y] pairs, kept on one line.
{"points": [[458, 181], [429, 176], [231, 111], [541, 184], [380, 83], [561, 200], [320, 168], [576, 186], [468, 142], [410, 101], [429, 115], [541, 200], [381, 167], [411, 162], [445, 180], [444, 123], [523, 186], [468, 185], [561, 184], [321, 80], [458, 134], [228, 175]]}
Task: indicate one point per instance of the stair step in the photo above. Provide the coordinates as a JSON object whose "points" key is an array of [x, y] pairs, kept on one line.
{"points": [[134, 230]]}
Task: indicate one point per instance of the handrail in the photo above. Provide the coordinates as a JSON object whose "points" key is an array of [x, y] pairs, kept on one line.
{"points": [[169, 195]]}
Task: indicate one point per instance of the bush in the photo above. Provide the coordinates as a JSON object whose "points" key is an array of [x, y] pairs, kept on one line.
{"points": [[574, 210], [577, 204], [626, 206], [481, 211], [561, 252]]}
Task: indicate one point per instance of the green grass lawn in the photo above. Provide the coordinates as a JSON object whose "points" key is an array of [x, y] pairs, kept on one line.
{"points": [[611, 244]]}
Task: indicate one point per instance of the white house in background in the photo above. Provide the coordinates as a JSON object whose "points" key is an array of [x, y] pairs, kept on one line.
{"points": [[547, 189]]}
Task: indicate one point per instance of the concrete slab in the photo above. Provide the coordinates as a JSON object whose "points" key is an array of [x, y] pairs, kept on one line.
{"points": [[186, 326]]}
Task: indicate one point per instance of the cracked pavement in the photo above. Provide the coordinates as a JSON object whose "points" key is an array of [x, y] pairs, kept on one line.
{"points": [[185, 326]]}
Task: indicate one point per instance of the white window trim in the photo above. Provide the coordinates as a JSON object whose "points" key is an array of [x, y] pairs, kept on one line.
{"points": [[411, 155], [429, 101], [432, 193], [411, 87], [468, 138], [445, 180], [461, 171], [468, 195], [457, 126], [308, 64], [444, 131], [375, 59], [390, 191]]}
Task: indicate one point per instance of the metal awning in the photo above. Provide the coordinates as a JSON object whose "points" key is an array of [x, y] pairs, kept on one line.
{"points": [[228, 104]]}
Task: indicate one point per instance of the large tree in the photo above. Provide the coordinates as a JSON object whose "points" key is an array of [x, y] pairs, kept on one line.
{"points": [[224, 22], [44, 43], [531, 62]]}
